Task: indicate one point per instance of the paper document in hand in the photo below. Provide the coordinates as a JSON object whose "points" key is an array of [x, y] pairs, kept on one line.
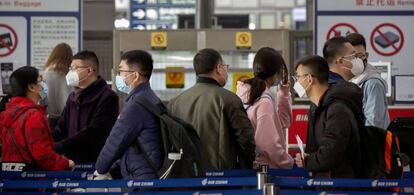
{"points": [[300, 144]]}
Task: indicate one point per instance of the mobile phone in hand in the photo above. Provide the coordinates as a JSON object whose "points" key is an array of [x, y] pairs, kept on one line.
{"points": [[285, 75]]}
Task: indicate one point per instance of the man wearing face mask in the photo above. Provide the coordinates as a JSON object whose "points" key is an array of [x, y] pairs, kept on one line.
{"points": [[135, 123], [342, 59], [216, 114], [90, 112], [332, 148], [373, 86]]}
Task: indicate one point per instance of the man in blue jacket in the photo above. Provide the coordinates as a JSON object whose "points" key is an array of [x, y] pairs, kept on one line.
{"points": [[134, 123], [374, 87]]}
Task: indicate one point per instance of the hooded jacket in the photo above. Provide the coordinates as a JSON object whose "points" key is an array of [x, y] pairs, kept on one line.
{"points": [[27, 138], [333, 135], [375, 104], [269, 119]]}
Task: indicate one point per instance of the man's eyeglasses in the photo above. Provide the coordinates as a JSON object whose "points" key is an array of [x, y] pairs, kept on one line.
{"points": [[74, 68], [225, 65], [353, 56], [361, 55], [119, 71], [297, 77]]}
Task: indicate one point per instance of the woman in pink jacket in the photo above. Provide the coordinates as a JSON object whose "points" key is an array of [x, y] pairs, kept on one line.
{"points": [[269, 115]]}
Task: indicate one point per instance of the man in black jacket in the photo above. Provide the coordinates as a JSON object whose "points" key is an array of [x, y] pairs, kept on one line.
{"points": [[332, 148]]}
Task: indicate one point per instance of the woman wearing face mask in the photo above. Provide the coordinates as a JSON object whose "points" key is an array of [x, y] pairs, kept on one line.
{"points": [[269, 115], [56, 67], [26, 136]]}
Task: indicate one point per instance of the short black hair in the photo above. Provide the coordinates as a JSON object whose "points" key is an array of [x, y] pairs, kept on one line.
{"points": [[317, 65], [206, 60], [333, 48], [356, 39], [140, 61], [88, 56], [21, 78]]}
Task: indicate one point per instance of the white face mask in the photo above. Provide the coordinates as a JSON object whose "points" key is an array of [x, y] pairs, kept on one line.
{"points": [[300, 90], [72, 78], [357, 66]]}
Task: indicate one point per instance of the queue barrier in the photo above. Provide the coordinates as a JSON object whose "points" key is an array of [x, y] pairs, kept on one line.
{"points": [[143, 183], [293, 181], [79, 175]]}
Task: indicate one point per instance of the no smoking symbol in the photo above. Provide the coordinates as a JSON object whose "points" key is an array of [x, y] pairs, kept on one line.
{"points": [[8, 40], [387, 39], [340, 29]]}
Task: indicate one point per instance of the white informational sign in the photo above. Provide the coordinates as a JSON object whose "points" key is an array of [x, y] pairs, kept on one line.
{"points": [[404, 90], [46, 32], [385, 70], [387, 25], [365, 5], [39, 6], [30, 29]]}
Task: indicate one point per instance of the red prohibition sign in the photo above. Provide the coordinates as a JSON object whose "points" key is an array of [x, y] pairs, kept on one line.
{"points": [[378, 30], [333, 29], [10, 49]]}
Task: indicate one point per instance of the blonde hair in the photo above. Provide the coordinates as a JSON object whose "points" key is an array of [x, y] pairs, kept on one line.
{"points": [[60, 59]]}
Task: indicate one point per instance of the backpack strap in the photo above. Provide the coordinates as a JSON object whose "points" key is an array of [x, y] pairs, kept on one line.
{"points": [[264, 95], [150, 107], [138, 148]]}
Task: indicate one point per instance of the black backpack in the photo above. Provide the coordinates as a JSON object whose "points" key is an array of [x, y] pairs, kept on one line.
{"points": [[180, 144], [404, 128], [381, 157]]}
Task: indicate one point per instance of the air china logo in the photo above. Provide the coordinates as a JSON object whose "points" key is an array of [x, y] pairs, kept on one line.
{"points": [[309, 182], [302, 118], [130, 183], [55, 184], [204, 182], [214, 182]]}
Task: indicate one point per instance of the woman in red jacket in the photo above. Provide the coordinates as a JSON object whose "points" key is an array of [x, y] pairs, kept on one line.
{"points": [[25, 134]]}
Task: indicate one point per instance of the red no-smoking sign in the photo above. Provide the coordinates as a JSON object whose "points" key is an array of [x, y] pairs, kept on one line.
{"points": [[387, 39], [8, 40], [340, 29]]}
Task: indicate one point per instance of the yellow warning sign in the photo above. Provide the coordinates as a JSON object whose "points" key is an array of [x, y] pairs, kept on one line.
{"points": [[243, 40], [175, 77], [240, 76], [158, 39]]}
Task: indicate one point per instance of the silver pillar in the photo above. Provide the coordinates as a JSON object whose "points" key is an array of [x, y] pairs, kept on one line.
{"points": [[204, 13]]}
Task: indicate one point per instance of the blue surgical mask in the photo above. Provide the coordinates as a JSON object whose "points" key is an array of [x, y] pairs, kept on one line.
{"points": [[121, 85], [276, 83], [45, 90]]}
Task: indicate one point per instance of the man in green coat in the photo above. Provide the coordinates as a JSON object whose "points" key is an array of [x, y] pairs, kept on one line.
{"points": [[217, 114]]}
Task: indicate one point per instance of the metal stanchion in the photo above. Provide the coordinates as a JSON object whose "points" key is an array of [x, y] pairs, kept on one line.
{"points": [[262, 176], [264, 168], [268, 189]]}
